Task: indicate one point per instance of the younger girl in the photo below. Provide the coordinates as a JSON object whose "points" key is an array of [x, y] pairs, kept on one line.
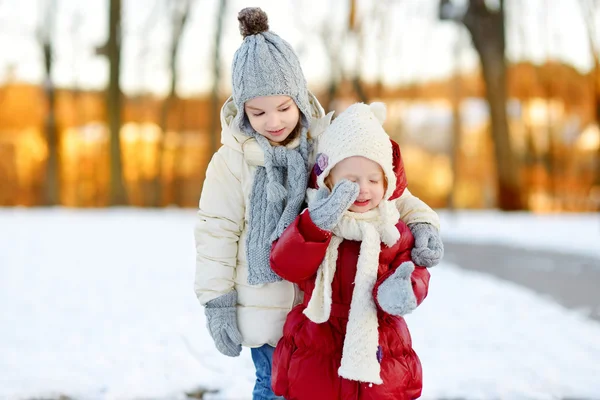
{"points": [[255, 187], [350, 253]]}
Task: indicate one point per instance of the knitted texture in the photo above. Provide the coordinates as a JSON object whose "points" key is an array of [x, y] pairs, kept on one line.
{"points": [[359, 353], [358, 131], [327, 209], [272, 206], [221, 319], [429, 249], [266, 65], [396, 295]]}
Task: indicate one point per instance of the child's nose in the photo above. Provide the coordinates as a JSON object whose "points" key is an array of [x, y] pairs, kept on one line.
{"points": [[272, 121]]}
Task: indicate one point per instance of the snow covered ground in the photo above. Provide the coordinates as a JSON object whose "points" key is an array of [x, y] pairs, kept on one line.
{"points": [[566, 233], [99, 304]]}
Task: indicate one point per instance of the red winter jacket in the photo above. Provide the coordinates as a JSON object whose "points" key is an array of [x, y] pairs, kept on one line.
{"points": [[307, 358]]}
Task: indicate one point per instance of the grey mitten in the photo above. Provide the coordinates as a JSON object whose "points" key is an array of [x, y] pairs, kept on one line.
{"points": [[221, 318], [326, 209], [395, 295], [429, 249]]}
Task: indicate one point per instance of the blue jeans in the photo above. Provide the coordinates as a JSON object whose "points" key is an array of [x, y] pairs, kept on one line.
{"points": [[263, 359]]}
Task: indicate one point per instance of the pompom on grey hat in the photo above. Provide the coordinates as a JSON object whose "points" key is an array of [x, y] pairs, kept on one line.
{"points": [[265, 65]]}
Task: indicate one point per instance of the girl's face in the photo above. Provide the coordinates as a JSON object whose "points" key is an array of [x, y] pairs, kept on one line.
{"points": [[274, 117], [369, 176]]}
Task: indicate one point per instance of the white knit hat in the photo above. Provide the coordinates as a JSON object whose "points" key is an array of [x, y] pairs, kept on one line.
{"points": [[357, 131]]}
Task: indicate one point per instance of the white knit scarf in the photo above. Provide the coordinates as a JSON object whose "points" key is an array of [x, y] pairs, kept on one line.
{"points": [[359, 354]]}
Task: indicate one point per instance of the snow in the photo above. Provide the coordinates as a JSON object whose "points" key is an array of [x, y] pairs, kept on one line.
{"points": [[99, 304], [577, 233], [482, 338]]}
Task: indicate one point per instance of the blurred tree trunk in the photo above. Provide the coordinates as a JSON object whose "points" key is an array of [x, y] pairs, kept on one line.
{"points": [[456, 123], [382, 44], [336, 75], [589, 13], [597, 109], [179, 17], [215, 121], [355, 29], [75, 32], [487, 32], [530, 156], [335, 43], [332, 89], [550, 159], [596, 74], [139, 101], [118, 195], [45, 32]]}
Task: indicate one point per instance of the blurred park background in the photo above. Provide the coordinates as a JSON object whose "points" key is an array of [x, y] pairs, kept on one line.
{"points": [[496, 103]]}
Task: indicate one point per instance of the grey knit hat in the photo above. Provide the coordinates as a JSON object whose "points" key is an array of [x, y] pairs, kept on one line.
{"points": [[265, 65]]}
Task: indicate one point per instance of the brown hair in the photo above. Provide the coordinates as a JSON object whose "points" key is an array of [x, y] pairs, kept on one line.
{"points": [[328, 182], [293, 135]]}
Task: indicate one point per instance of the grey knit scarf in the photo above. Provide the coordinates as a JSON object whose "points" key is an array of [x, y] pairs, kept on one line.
{"points": [[275, 201]]}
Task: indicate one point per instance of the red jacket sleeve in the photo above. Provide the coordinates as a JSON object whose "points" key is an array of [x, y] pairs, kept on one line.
{"points": [[420, 276], [299, 251], [420, 283]]}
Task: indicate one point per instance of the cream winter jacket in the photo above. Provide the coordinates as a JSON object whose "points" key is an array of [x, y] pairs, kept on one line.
{"points": [[221, 232]]}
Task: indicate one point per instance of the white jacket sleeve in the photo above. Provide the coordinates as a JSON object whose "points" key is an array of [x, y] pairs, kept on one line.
{"points": [[219, 225], [413, 210]]}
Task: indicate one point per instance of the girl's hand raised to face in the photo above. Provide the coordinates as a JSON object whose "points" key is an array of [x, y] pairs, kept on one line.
{"points": [[327, 208]]}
